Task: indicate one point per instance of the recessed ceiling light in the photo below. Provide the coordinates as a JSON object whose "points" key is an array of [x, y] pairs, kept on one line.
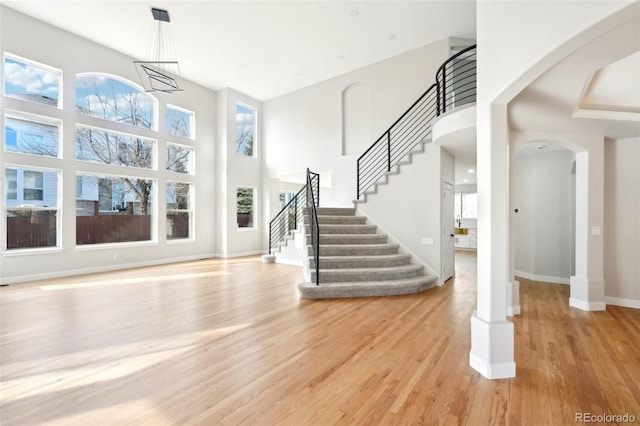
{"points": [[471, 171], [466, 180], [354, 13], [541, 146], [341, 57]]}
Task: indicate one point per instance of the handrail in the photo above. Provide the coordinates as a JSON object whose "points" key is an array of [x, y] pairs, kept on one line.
{"points": [[414, 125], [461, 80], [313, 199], [281, 225], [292, 213]]}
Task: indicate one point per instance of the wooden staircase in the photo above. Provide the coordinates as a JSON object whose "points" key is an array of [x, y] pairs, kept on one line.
{"points": [[357, 261]]}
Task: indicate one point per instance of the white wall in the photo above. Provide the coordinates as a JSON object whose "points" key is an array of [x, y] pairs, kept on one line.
{"points": [[622, 222], [543, 196], [304, 129], [233, 171], [37, 41], [415, 194]]}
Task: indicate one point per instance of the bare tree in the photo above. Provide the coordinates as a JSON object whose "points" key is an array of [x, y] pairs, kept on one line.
{"points": [[130, 107]]}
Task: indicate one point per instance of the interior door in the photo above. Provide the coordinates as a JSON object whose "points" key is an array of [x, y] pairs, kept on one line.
{"points": [[448, 236]]}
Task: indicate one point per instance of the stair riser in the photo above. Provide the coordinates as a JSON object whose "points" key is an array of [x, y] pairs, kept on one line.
{"points": [[345, 276], [332, 211], [357, 251], [347, 229], [361, 262], [350, 239], [340, 220]]}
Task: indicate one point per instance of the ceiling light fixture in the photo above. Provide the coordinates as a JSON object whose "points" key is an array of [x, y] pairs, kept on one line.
{"points": [[541, 146], [159, 70], [471, 171]]}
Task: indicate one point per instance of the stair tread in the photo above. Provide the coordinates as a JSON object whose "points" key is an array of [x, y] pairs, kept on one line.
{"points": [[399, 281], [370, 257], [360, 270]]}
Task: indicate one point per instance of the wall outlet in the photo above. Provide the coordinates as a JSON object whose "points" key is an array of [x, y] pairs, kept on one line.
{"points": [[427, 241]]}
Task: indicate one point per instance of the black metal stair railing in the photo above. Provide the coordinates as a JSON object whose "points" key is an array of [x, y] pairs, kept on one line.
{"points": [[455, 86], [456, 80], [313, 201], [291, 215]]}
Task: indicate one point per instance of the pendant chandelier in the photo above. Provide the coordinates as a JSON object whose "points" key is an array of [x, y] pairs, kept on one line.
{"points": [[160, 70]]}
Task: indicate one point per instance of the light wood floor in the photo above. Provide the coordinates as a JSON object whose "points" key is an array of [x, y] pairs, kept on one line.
{"points": [[229, 342]]}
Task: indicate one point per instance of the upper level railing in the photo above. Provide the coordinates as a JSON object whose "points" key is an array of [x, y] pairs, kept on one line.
{"points": [[456, 80], [455, 86]]}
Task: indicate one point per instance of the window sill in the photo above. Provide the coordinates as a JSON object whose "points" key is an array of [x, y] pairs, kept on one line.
{"points": [[102, 246], [32, 251]]}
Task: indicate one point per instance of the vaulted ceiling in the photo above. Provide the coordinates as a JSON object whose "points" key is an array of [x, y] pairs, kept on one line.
{"points": [[264, 48]]}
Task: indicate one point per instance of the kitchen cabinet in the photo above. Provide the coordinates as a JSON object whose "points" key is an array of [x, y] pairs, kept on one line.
{"points": [[466, 238]]}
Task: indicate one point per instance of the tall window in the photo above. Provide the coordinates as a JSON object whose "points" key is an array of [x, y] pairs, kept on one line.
{"points": [[245, 130], [31, 206], [179, 210], [180, 122], [31, 135], [103, 96], [112, 209], [245, 207], [31, 82]]}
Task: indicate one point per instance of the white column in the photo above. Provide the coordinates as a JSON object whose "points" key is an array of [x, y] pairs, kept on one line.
{"points": [[492, 336], [587, 285]]}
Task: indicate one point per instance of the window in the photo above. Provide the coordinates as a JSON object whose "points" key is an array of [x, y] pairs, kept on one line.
{"points": [[31, 135], [179, 158], [10, 138], [245, 130], [33, 186], [466, 205], [31, 82], [245, 207], [11, 184], [180, 122], [102, 96], [113, 209], [106, 147], [31, 206], [179, 212]]}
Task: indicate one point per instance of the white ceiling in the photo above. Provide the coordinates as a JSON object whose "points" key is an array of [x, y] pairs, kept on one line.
{"points": [[264, 49]]}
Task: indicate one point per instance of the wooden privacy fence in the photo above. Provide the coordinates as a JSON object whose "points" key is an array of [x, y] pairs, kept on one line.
{"points": [[36, 230], [39, 230], [115, 228]]}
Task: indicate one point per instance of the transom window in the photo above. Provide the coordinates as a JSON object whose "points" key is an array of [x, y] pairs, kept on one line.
{"points": [[31, 82], [103, 96], [180, 122], [31, 135]]}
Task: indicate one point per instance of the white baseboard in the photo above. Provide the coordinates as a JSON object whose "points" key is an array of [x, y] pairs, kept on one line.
{"points": [[240, 254], [289, 262], [625, 303], [543, 278], [103, 268], [587, 306]]}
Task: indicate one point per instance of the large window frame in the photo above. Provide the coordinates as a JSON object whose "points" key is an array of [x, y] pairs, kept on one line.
{"points": [[29, 193]]}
